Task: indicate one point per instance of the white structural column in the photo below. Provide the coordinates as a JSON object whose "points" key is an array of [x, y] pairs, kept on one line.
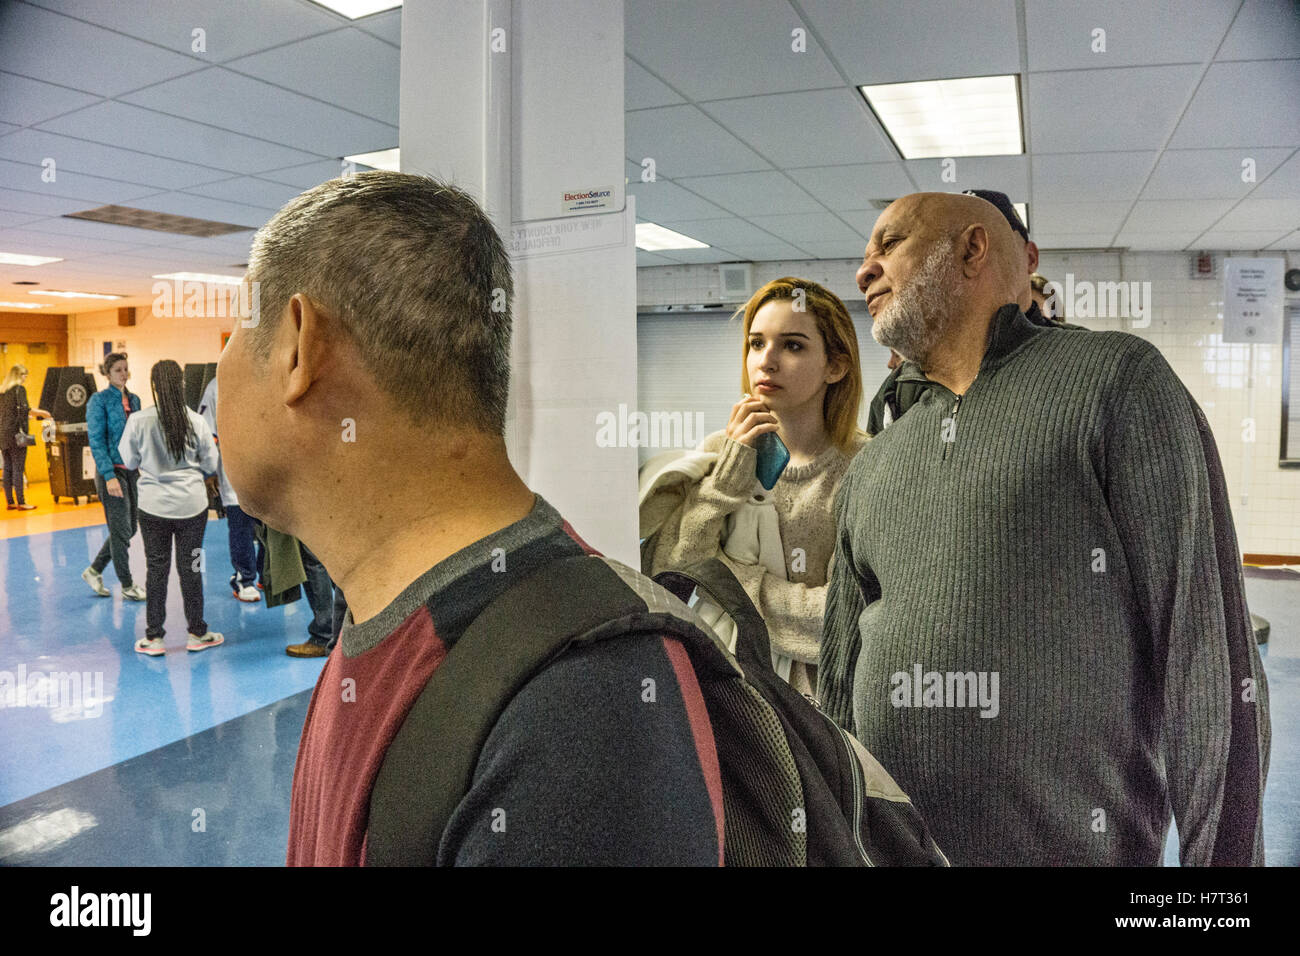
{"points": [[521, 104]]}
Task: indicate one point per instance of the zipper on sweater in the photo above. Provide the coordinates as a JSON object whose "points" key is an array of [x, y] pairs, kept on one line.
{"points": [[952, 416]]}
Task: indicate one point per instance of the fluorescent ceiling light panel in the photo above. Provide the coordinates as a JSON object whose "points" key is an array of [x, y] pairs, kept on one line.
{"points": [[17, 259], [23, 305], [355, 9], [202, 277], [72, 295], [653, 238], [380, 159], [976, 116]]}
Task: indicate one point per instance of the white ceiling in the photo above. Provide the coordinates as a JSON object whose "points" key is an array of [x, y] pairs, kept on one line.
{"points": [[761, 152]]}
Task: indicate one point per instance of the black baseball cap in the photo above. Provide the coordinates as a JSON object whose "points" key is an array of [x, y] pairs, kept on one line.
{"points": [[1004, 206]]}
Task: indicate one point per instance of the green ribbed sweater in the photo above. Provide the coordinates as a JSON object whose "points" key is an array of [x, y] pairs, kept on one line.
{"points": [[1074, 538]]}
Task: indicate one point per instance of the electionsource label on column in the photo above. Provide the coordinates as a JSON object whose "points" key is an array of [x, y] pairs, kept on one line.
{"points": [[581, 200]]}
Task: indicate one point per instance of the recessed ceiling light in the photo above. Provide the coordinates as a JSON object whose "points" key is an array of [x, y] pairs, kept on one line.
{"points": [[380, 159], [202, 277], [17, 259], [975, 116], [72, 295], [22, 305], [355, 9], [653, 238]]}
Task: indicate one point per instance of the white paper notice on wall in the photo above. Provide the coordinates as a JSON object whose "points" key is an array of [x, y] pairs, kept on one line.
{"points": [[87, 464], [1252, 300]]}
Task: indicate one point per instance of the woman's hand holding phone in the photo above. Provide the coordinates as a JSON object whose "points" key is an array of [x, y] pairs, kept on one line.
{"points": [[749, 419]]}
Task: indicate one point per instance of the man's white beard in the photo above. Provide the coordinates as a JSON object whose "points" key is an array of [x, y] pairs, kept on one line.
{"points": [[920, 314]]}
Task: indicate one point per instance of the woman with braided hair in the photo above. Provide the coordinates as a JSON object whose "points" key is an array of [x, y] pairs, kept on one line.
{"points": [[173, 448]]}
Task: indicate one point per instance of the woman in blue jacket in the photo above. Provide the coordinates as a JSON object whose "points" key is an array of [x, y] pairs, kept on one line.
{"points": [[106, 415]]}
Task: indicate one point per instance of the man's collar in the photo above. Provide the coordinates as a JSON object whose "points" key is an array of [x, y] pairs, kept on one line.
{"points": [[1009, 330]]}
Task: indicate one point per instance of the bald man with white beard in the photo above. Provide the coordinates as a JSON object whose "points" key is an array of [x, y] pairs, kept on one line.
{"points": [[1036, 616]]}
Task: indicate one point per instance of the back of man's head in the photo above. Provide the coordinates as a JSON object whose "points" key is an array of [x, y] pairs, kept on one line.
{"points": [[417, 277]]}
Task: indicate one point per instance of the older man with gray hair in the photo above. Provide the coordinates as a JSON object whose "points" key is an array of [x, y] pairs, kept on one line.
{"points": [[1036, 615]]}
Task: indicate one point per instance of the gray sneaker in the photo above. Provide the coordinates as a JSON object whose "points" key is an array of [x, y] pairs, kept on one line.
{"points": [[95, 580], [133, 593]]}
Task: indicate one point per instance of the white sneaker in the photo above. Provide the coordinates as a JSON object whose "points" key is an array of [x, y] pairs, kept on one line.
{"points": [[96, 581], [248, 594], [133, 593], [210, 639]]}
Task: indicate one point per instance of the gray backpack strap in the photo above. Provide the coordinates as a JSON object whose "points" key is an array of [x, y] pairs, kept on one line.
{"points": [[429, 766]]}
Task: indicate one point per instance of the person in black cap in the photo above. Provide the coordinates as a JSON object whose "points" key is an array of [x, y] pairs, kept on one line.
{"points": [[905, 384]]}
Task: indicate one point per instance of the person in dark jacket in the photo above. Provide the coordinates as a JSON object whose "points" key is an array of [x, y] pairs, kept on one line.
{"points": [[106, 415], [14, 412]]}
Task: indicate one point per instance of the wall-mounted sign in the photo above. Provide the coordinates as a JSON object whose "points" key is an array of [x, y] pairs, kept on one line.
{"points": [[1252, 300]]}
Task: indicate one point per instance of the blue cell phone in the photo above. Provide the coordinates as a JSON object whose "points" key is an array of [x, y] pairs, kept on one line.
{"points": [[773, 456]]}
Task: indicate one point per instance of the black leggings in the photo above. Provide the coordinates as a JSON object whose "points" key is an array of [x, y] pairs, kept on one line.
{"points": [[158, 534], [15, 460]]}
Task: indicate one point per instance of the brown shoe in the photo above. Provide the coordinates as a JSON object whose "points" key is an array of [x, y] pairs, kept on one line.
{"points": [[307, 649]]}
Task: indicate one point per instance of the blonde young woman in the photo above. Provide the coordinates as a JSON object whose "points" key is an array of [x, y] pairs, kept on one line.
{"points": [[801, 380], [14, 412]]}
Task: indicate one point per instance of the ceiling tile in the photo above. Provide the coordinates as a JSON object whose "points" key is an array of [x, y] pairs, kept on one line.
{"points": [[746, 194], [201, 207], [45, 244], [1073, 240], [918, 40], [825, 127], [387, 25], [724, 232], [29, 101], [834, 250], [765, 251], [40, 204], [1158, 241], [305, 176], [1284, 183], [721, 49], [1066, 115], [1288, 242], [698, 256], [89, 229], [684, 142], [662, 200], [1280, 215], [1174, 215], [851, 187], [10, 219], [1008, 174], [862, 221], [645, 259], [1243, 104], [110, 162], [1221, 239], [233, 27], [348, 68], [813, 227], [1090, 176], [219, 97], [1060, 33], [641, 90], [117, 123], [1264, 29], [43, 45], [89, 189], [1209, 173], [250, 191], [1065, 218]]}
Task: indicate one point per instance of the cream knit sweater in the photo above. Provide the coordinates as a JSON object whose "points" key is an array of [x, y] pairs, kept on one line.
{"points": [[792, 609]]}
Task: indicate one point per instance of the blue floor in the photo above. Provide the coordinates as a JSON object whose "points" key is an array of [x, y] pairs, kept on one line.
{"points": [[188, 758]]}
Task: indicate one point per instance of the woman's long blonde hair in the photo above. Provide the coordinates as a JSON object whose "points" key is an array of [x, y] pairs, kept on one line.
{"points": [[843, 398], [14, 377]]}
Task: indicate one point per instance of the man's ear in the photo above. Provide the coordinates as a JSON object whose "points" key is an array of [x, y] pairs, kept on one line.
{"points": [[974, 249], [303, 346], [1031, 250]]}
